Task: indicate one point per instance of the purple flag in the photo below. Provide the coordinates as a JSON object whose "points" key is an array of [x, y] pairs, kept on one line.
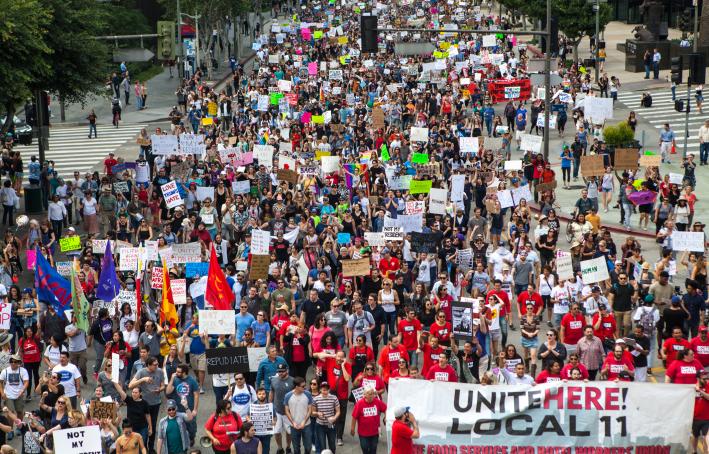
{"points": [[642, 197], [108, 285]]}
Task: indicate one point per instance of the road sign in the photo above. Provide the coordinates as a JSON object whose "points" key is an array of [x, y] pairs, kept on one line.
{"points": [[414, 48], [538, 79], [132, 54]]}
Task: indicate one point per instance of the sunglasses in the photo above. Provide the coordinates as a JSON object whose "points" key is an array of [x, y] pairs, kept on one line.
{"points": [[368, 368]]}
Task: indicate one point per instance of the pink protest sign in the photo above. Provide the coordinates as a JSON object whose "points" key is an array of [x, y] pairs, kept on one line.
{"points": [[313, 68], [31, 258]]}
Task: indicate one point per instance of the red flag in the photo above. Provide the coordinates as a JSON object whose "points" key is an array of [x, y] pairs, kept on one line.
{"points": [[218, 292]]}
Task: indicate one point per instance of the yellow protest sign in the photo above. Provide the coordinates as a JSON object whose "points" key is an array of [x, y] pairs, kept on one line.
{"points": [[206, 121], [317, 34], [342, 40], [444, 45], [70, 243], [318, 119], [320, 153], [420, 186]]}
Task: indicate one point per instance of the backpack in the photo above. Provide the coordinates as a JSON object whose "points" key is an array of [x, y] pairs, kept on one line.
{"points": [[647, 321]]}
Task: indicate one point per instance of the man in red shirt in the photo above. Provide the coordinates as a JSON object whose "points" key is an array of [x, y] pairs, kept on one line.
{"points": [[108, 164], [674, 344], [366, 417], [603, 324], [403, 431], [389, 265], [700, 425], [572, 328], [618, 367], [410, 329], [442, 371], [390, 355], [430, 351], [534, 297], [700, 346]]}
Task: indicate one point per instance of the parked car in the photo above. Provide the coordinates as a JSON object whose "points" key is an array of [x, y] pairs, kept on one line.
{"points": [[21, 131]]}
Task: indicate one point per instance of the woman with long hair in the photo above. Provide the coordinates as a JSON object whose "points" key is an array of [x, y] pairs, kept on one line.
{"points": [[221, 425], [30, 349], [296, 347]]}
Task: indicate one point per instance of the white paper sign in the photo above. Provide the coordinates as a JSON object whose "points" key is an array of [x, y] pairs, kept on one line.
{"points": [[264, 154], [179, 291], [688, 241], [676, 178], [192, 144], [489, 40], [330, 163], [256, 355], [164, 145], [514, 164], [241, 187], [204, 192], [564, 267], [531, 143], [505, 198], [520, 193], [594, 270], [115, 367], [469, 145], [374, 238], [128, 259], [393, 233], [260, 242], [80, 440], [186, 253], [598, 109], [437, 200], [5, 315], [216, 322], [419, 134]]}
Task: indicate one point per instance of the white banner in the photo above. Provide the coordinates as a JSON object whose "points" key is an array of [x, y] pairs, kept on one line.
{"points": [[531, 143], [688, 241], [186, 253], [217, 322], [594, 270], [555, 417]]}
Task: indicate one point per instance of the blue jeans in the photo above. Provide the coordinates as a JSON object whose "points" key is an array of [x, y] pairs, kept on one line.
{"points": [[301, 434], [647, 71], [577, 166], [144, 433], [265, 442], [92, 128], [703, 152], [326, 437], [389, 325], [314, 434], [628, 209], [220, 392], [674, 92], [656, 70], [503, 330], [412, 357], [369, 444], [488, 126]]}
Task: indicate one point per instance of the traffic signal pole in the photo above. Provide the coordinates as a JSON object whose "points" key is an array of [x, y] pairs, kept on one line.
{"points": [[686, 119]]}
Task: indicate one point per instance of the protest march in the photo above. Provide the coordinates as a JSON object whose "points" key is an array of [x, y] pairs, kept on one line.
{"points": [[357, 251]]}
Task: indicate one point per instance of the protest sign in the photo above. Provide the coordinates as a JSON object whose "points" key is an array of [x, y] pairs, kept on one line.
{"points": [[259, 266], [192, 144], [358, 267], [64, 269], [420, 158], [156, 278], [419, 134], [291, 176], [128, 259], [5, 315], [120, 187], [103, 410], [225, 360], [171, 194], [186, 252], [179, 291], [521, 193], [650, 160], [505, 198], [541, 187], [205, 192], [260, 241], [217, 322], [512, 92], [164, 144], [264, 154], [374, 238], [330, 164], [116, 364], [676, 178], [626, 158], [462, 319], [688, 241], [70, 243], [79, 440], [531, 143], [262, 418], [437, 201], [256, 355], [592, 166], [193, 269], [583, 417], [420, 186], [594, 270], [564, 267], [241, 187], [415, 207], [410, 222], [513, 165], [393, 233], [469, 145], [465, 259], [597, 109], [425, 242]]}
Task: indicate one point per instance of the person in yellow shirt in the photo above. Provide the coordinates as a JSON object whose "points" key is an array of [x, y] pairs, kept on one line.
{"points": [[168, 338], [595, 220]]}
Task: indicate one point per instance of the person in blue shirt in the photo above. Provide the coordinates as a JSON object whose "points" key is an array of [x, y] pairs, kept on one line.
{"points": [[243, 320], [520, 127], [262, 330], [667, 140], [34, 169], [184, 390], [268, 367], [566, 160], [521, 110], [198, 357], [488, 116]]}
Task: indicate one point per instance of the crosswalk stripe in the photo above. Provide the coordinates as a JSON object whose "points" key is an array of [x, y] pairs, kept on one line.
{"points": [[72, 150]]}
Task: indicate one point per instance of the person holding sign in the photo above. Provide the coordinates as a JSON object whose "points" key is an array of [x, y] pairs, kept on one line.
{"points": [[222, 427]]}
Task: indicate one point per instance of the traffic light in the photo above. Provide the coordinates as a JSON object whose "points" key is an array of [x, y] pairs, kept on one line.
{"points": [[676, 70], [166, 40], [554, 30], [697, 69], [684, 20], [368, 33]]}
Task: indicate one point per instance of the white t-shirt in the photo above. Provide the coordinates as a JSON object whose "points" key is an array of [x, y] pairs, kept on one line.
{"points": [[67, 376], [561, 295], [53, 353], [14, 381]]}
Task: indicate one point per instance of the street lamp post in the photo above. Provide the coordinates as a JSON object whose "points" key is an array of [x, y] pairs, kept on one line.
{"points": [[596, 9], [180, 47]]}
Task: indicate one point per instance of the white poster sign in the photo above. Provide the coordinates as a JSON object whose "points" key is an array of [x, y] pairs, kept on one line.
{"points": [[597, 109], [419, 134], [469, 145], [163, 144], [531, 143], [179, 291], [80, 440], [393, 233], [688, 241], [594, 270], [437, 200], [171, 194], [260, 242], [217, 322], [192, 144], [505, 198], [375, 238], [330, 163], [204, 192], [564, 267]]}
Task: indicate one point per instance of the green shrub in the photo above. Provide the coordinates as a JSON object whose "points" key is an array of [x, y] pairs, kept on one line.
{"points": [[618, 135]]}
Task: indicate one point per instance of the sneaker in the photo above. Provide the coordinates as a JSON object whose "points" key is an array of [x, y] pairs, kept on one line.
{"points": [[340, 442], [312, 449], [549, 324], [28, 399], [201, 390], [288, 451]]}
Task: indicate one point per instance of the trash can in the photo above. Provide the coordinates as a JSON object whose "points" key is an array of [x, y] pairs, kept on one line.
{"points": [[33, 199]]}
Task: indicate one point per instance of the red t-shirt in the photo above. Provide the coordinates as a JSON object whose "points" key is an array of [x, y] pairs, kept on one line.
{"points": [[389, 359], [701, 406], [409, 330], [220, 426], [443, 333], [545, 377], [438, 373], [364, 354], [566, 371], [368, 416], [673, 346], [701, 350], [109, 163], [373, 381], [683, 372], [298, 349], [535, 297], [401, 441], [30, 350], [389, 267], [607, 329], [615, 367], [337, 382], [430, 357], [573, 328]]}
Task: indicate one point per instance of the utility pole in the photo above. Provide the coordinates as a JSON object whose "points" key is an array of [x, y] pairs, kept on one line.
{"points": [[547, 83], [40, 100], [695, 41], [180, 47], [597, 8], [686, 115]]}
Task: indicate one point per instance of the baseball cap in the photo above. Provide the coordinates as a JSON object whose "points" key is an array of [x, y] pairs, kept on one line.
{"points": [[620, 341], [281, 367], [676, 299], [400, 411], [596, 288], [170, 404]]}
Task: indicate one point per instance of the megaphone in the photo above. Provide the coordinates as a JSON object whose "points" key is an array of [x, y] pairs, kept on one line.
{"points": [[205, 442]]}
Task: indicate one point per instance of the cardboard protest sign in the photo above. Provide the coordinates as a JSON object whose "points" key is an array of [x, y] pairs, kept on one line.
{"points": [[592, 166], [650, 160], [103, 410], [358, 267], [626, 158], [259, 266]]}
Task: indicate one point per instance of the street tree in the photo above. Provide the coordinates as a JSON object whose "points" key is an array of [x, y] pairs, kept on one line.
{"points": [[25, 52]]}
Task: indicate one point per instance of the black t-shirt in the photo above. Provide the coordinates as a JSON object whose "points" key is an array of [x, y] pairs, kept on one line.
{"points": [[644, 342], [623, 294], [312, 309], [137, 412], [52, 397]]}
